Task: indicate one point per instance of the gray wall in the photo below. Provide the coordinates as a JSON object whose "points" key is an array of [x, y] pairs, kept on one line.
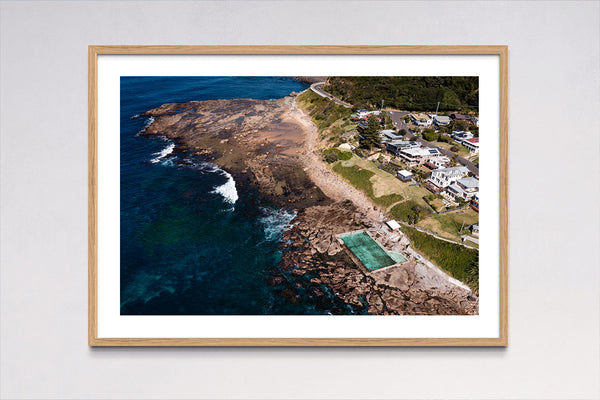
{"points": [[554, 219]]}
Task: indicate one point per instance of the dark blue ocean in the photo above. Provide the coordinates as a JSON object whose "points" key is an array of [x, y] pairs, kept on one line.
{"points": [[193, 240]]}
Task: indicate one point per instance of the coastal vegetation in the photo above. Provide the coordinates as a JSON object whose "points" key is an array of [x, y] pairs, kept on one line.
{"points": [[334, 154], [410, 93], [324, 113], [370, 137], [403, 201], [410, 211], [361, 179], [451, 225], [458, 261]]}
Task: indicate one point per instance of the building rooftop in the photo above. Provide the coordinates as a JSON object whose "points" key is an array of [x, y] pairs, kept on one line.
{"points": [[405, 173], [393, 224], [421, 151], [469, 182], [453, 170]]}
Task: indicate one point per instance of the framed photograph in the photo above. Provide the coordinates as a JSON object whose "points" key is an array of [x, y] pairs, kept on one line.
{"points": [[298, 196]]}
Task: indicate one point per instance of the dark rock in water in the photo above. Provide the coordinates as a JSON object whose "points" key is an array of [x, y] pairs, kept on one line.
{"points": [[275, 280], [289, 295]]}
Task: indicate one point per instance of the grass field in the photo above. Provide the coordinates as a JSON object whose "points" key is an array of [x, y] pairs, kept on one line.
{"points": [[410, 211], [437, 204], [462, 152], [361, 179], [385, 183], [448, 225], [458, 261]]}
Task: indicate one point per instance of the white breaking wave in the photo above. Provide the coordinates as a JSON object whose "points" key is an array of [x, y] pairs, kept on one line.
{"points": [[163, 153], [275, 222], [149, 122], [227, 190]]}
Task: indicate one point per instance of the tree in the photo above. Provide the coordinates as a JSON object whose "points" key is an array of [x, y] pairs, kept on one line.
{"points": [[386, 120], [371, 134], [460, 125], [430, 135], [474, 129], [403, 132]]}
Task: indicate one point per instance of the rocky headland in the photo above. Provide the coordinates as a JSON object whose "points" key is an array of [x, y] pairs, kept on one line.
{"points": [[272, 145]]}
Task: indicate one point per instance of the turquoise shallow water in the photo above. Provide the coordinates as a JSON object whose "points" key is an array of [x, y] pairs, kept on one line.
{"points": [[399, 258], [367, 251]]}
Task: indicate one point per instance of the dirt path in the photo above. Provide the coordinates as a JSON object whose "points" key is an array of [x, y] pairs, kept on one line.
{"points": [[332, 185]]}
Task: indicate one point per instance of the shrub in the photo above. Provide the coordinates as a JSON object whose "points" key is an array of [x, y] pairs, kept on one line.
{"points": [[409, 212], [460, 262], [430, 135], [331, 157]]}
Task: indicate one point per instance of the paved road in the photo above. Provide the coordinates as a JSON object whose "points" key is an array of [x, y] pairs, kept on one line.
{"points": [[397, 120], [317, 88]]}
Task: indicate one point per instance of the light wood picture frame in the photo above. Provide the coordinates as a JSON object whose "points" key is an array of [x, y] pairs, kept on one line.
{"points": [[97, 113]]}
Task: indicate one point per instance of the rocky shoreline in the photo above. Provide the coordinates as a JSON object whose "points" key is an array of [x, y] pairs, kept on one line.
{"points": [[265, 144]]}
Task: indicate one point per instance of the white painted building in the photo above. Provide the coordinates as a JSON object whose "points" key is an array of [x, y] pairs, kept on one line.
{"points": [[472, 144], [421, 119], [441, 120], [404, 175], [461, 136], [444, 177], [418, 156], [439, 161], [465, 188], [389, 135]]}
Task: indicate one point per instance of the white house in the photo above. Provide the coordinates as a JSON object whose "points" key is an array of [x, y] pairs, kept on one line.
{"points": [[472, 144], [388, 135], [396, 146], [465, 188], [460, 136], [475, 120], [418, 155], [421, 119], [444, 177], [439, 161], [441, 120]]}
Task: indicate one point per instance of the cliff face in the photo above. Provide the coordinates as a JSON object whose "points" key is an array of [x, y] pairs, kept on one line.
{"points": [[256, 140]]}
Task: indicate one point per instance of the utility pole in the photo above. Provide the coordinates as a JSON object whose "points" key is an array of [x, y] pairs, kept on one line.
{"points": [[382, 101], [437, 108]]}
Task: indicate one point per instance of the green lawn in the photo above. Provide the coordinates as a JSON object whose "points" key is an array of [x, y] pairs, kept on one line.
{"points": [[385, 183], [437, 204], [361, 179], [458, 261], [462, 150], [448, 225], [410, 211]]}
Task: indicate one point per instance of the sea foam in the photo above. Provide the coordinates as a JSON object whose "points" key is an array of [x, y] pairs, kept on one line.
{"points": [[275, 222], [148, 122], [163, 153], [227, 190]]}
